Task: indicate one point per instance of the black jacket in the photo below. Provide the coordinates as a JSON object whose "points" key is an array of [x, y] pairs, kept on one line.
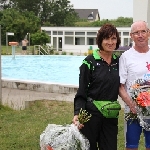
{"points": [[97, 80]]}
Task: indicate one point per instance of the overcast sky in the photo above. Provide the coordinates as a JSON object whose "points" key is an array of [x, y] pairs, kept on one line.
{"points": [[108, 9]]}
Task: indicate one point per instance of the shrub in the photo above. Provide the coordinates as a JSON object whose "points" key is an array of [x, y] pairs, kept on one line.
{"points": [[51, 51], [56, 53], [85, 53], [63, 53]]}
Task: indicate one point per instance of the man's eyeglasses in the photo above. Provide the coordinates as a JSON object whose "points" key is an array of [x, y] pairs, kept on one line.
{"points": [[142, 32]]}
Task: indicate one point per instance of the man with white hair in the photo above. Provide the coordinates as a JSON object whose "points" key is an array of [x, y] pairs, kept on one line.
{"points": [[134, 64]]}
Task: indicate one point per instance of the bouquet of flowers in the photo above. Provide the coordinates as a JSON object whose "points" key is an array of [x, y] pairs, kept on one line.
{"points": [[65, 137], [140, 93]]}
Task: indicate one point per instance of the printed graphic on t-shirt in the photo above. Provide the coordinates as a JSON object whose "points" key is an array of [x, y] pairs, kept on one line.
{"points": [[148, 66], [147, 75]]}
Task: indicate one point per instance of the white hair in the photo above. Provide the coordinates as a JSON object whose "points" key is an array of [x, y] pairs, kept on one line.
{"points": [[140, 21]]}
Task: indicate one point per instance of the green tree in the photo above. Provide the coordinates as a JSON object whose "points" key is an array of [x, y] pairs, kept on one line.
{"points": [[40, 38], [27, 5], [18, 23], [60, 11], [70, 19], [46, 11], [41, 8], [53, 12]]}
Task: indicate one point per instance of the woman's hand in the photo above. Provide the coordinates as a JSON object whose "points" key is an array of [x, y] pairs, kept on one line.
{"points": [[77, 123]]}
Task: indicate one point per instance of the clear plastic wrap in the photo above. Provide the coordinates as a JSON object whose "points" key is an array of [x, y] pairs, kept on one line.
{"points": [[144, 117], [140, 93], [63, 137]]}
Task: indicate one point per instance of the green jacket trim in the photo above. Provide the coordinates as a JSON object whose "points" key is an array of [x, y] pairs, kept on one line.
{"points": [[85, 62], [97, 56]]}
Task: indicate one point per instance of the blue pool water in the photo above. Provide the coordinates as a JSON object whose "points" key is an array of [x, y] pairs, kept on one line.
{"points": [[54, 68]]}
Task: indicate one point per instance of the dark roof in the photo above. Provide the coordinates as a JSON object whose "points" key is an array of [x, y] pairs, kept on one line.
{"points": [[85, 13]]}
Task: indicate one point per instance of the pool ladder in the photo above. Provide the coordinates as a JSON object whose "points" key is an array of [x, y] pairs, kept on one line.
{"points": [[41, 50]]}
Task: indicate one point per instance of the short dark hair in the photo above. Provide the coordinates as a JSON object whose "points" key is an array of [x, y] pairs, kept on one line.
{"points": [[106, 31]]}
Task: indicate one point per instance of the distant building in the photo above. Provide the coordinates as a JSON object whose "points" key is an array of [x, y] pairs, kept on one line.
{"points": [[80, 39], [88, 14]]}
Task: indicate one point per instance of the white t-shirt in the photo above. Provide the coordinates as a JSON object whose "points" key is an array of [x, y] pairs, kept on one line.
{"points": [[133, 66]]}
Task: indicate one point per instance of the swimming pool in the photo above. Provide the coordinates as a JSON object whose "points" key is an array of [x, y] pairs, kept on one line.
{"points": [[62, 69]]}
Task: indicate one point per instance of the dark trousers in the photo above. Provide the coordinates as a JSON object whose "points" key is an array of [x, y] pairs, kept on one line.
{"points": [[101, 133]]}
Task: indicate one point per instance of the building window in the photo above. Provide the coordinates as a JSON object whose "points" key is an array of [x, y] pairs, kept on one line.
{"points": [[54, 32], [69, 40], [91, 33], [60, 33], [90, 17], [48, 32], [125, 33], [79, 33], [77, 41], [69, 33], [125, 41], [91, 41]]}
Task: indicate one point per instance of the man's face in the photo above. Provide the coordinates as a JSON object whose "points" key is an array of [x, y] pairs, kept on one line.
{"points": [[140, 34]]}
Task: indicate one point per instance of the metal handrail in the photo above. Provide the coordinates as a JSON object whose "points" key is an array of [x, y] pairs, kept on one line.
{"points": [[39, 49], [43, 50]]}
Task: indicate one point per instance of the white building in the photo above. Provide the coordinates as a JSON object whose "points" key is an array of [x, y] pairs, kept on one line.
{"points": [[141, 11], [79, 39]]}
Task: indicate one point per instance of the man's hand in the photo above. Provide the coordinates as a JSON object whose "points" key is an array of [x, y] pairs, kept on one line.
{"points": [[133, 107]]}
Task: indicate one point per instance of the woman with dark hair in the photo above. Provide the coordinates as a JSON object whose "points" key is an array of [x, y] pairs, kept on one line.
{"points": [[99, 81]]}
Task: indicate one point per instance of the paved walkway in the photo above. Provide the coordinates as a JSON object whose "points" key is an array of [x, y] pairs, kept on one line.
{"points": [[15, 96]]}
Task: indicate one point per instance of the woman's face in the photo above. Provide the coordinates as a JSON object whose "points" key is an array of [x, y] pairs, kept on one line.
{"points": [[109, 44]]}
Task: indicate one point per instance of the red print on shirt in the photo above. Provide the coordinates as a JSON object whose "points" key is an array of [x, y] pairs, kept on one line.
{"points": [[148, 66]]}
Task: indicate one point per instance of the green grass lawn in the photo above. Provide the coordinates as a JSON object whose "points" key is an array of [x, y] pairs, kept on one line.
{"points": [[7, 50], [20, 130]]}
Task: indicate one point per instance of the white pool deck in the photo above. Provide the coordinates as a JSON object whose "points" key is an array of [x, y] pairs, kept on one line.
{"points": [[17, 94]]}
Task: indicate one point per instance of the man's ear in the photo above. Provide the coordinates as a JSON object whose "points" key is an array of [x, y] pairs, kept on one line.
{"points": [[131, 35]]}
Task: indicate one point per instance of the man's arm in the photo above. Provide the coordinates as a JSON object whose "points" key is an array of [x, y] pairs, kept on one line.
{"points": [[126, 98]]}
